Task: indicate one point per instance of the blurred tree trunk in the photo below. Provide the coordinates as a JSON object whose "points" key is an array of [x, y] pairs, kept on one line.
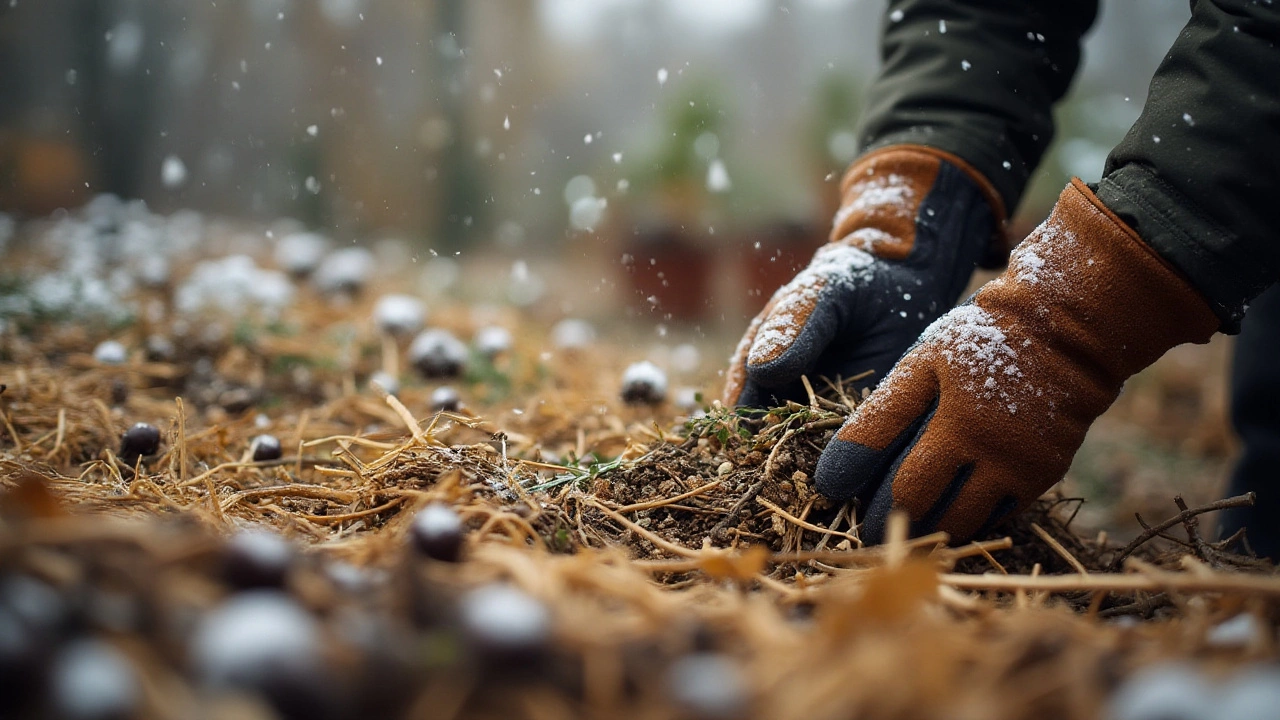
{"points": [[117, 101], [460, 182]]}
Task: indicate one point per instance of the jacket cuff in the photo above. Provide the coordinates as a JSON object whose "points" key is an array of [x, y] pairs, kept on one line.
{"points": [[1207, 254]]}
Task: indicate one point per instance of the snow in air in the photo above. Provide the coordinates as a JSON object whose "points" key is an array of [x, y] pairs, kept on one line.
{"points": [[717, 177], [173, 172], [662, 76]]}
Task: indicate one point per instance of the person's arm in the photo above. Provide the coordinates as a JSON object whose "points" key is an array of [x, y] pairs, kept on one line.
{"points": [[976, 79], [1198, 174], [957, 119], [990, 406]]}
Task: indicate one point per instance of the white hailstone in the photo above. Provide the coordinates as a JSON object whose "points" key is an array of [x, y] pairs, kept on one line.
{"points": [[505, 618], [233, 284], [525, 287], [437, 353], [153, 270], [399, 314], [492, 340], [718, 177], [1253, 694], [572, 334], [578, 187], [345, 270], [173, 172], [1169, 691], [707, 146], [686, 399], [253, 638], [300, 253], [708, 685], [685, 358], [1241, 630], [644, 383], [586, 213], [110, 352], [92, 680], [385, 381], [842, 146]]}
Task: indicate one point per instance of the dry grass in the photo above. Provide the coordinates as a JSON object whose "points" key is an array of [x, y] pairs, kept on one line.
{"points": [[691, 538]]}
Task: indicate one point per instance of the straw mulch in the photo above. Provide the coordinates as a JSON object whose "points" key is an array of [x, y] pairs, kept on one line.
{"points": [[684, 540]]}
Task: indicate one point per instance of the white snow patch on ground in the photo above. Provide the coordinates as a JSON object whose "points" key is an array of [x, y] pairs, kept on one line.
{"points": [[234, 284]]}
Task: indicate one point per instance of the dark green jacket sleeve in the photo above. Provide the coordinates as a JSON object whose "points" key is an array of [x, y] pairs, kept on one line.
{"points": [[1198, 175], [977, 78]]}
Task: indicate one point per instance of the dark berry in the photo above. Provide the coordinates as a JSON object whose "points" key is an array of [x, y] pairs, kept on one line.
{"points": [[264, 642], [257, 559], [507, 626], [644, 384], [445, 398], [266, 447], [141, 440], [438, 354], [708, 686], [438, 533], [92, 680]]}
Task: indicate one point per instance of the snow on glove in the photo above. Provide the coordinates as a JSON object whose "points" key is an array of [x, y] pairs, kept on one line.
{"points": [[913, 223], [985, 412]]}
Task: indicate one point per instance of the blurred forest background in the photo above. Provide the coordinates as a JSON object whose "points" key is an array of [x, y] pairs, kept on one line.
{"points": [[460, 123], [682, 153]]}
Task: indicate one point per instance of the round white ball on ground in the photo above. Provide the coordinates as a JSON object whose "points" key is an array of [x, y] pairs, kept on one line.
{"points": [[110, 352], [438, 354], [644, 383], [299, 254], [399, 314], [344, 271]]}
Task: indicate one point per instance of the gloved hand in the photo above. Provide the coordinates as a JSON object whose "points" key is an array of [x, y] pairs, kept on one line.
{"points": [[985, 412], [913, 223]]}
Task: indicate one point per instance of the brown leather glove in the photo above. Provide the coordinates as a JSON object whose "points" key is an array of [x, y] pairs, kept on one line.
{"points": [[985, 412], [913, 223]]}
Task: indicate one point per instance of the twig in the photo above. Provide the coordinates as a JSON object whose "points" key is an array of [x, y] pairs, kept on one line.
{"points": [[313, 492], [656, 540], [671, 500], [747, 497], [1245, 500], [1057, 547], [1221, 582], [1192, 525], [334, 519], [808, 388], [807, 525]]}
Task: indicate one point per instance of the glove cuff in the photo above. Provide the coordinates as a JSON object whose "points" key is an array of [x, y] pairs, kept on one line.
{"points": [[1114, 299], [920, 164]]}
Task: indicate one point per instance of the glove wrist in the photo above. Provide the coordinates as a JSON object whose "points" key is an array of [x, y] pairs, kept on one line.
{"points": [[918, 166]]}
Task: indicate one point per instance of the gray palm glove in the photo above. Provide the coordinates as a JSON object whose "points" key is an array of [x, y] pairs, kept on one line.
{"points": [[913, 223]]}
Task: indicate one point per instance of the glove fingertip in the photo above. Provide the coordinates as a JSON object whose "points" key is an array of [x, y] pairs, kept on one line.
{"points": [[876, 515], [845, 469]]}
